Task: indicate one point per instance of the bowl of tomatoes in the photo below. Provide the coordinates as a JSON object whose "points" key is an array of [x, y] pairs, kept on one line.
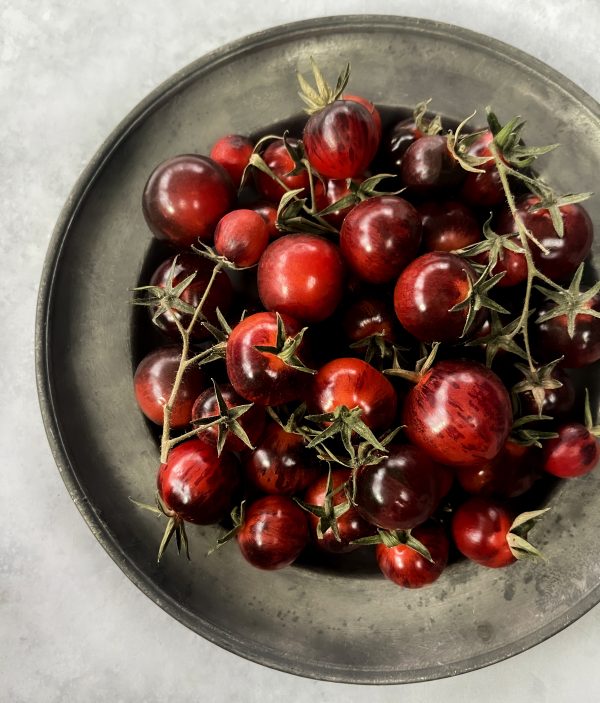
{"points": [[360, 369]]}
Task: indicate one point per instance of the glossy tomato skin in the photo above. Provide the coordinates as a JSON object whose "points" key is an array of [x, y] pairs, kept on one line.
{"points": [[261, 377], [426, 291], [428, 166], [301, 275], [252, 421], [406, 567], [220, 295], [512, 264], [354, 383], [341, 139], [558, 402], [575, 452], [233, 153], [459, 412], [379, 237], [241, 236], [153, 382], [479, 529], [564, 254], [269, 214], [334, 190], [280, 464], [483, 189], [373, 111], [448, 225], [198, 485], [368, 316], [552, 338], [397, 141], [278, 159], [400, 491], [351, 524], [185, 197], [274, 533]]}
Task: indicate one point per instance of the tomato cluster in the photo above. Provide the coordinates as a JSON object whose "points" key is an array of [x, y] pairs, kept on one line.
{"points": [[357, 367]]}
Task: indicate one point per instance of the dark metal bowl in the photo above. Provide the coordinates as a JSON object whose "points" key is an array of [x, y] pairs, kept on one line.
{"points": [[342, 626]]}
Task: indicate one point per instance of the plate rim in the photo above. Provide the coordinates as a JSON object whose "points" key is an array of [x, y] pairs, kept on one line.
{"points": [[178, 80]]}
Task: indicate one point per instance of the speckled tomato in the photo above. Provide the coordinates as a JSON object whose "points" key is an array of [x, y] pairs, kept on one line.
{"points": [[198, 485], [341, 139], [426, 291], [278, 159], [241, 236], [428, 166], [281, 464], [400, 491], [448, 225], [564, 254], [574, 452], [459, 412], [185, 197], [153, 383], [351, 525], [355, 384], [379, 237], [262, 377], [233, 152], [220, 295], [301, 275], [409, 569], [274, 532], [483, 189], [479, 529]]}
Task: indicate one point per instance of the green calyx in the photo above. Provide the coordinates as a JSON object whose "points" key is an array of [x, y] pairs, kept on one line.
{"points": [[394, 538], [286, 348], [518, 532], [328, 513], [322, 94]]}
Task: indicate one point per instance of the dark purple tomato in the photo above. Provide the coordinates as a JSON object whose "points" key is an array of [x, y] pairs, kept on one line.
{"points": [[281, 464], [428, 166], [262, 377], [278, 159], [479, 528], [574, 452], [185, 197], [241, 236], [301, 275], [355, 384], [427, 289], [552, 338], [274, 532], [153, 383], [198, 485], [233, 152], [409, 569], [400, 492], [564, 254], [252, 421], [558, 402], [397, 141], [448, 225], [369, 316], [269, 214], [220, 295], [459, 412], [341, 139], [351, 525], [483, 189], [379, 237]]}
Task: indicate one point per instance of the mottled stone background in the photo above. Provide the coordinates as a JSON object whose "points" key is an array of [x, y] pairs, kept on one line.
{"points": [[72, 627]]}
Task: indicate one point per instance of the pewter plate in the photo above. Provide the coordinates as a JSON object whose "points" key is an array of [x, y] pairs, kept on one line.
{"points": [[338, 625]]}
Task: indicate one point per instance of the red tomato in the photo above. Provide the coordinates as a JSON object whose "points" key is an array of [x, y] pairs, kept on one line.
{"points": [[233, 153], [575, 452], [479, 529], [241, 236]]}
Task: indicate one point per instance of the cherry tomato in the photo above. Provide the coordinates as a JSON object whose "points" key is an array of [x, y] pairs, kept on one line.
{"points": [[397, 141], [479, 529], [564, 254], [334, 190], [269, 214], [409, 569], [220, 295], [379, 237], [351, 525], [278, 159], [427, 289], [400, 491], [241, 236], [557, 403], [368, 316], [281, 464], [341, 139], [459, 412], [185, 197], [483, 189], [448, 225], [233, 152], [274, 533], [428, 165], [301, 275], [574, 452], [355, 384], [198, 485], [262, 377], [511, 263], [373, 111]]}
